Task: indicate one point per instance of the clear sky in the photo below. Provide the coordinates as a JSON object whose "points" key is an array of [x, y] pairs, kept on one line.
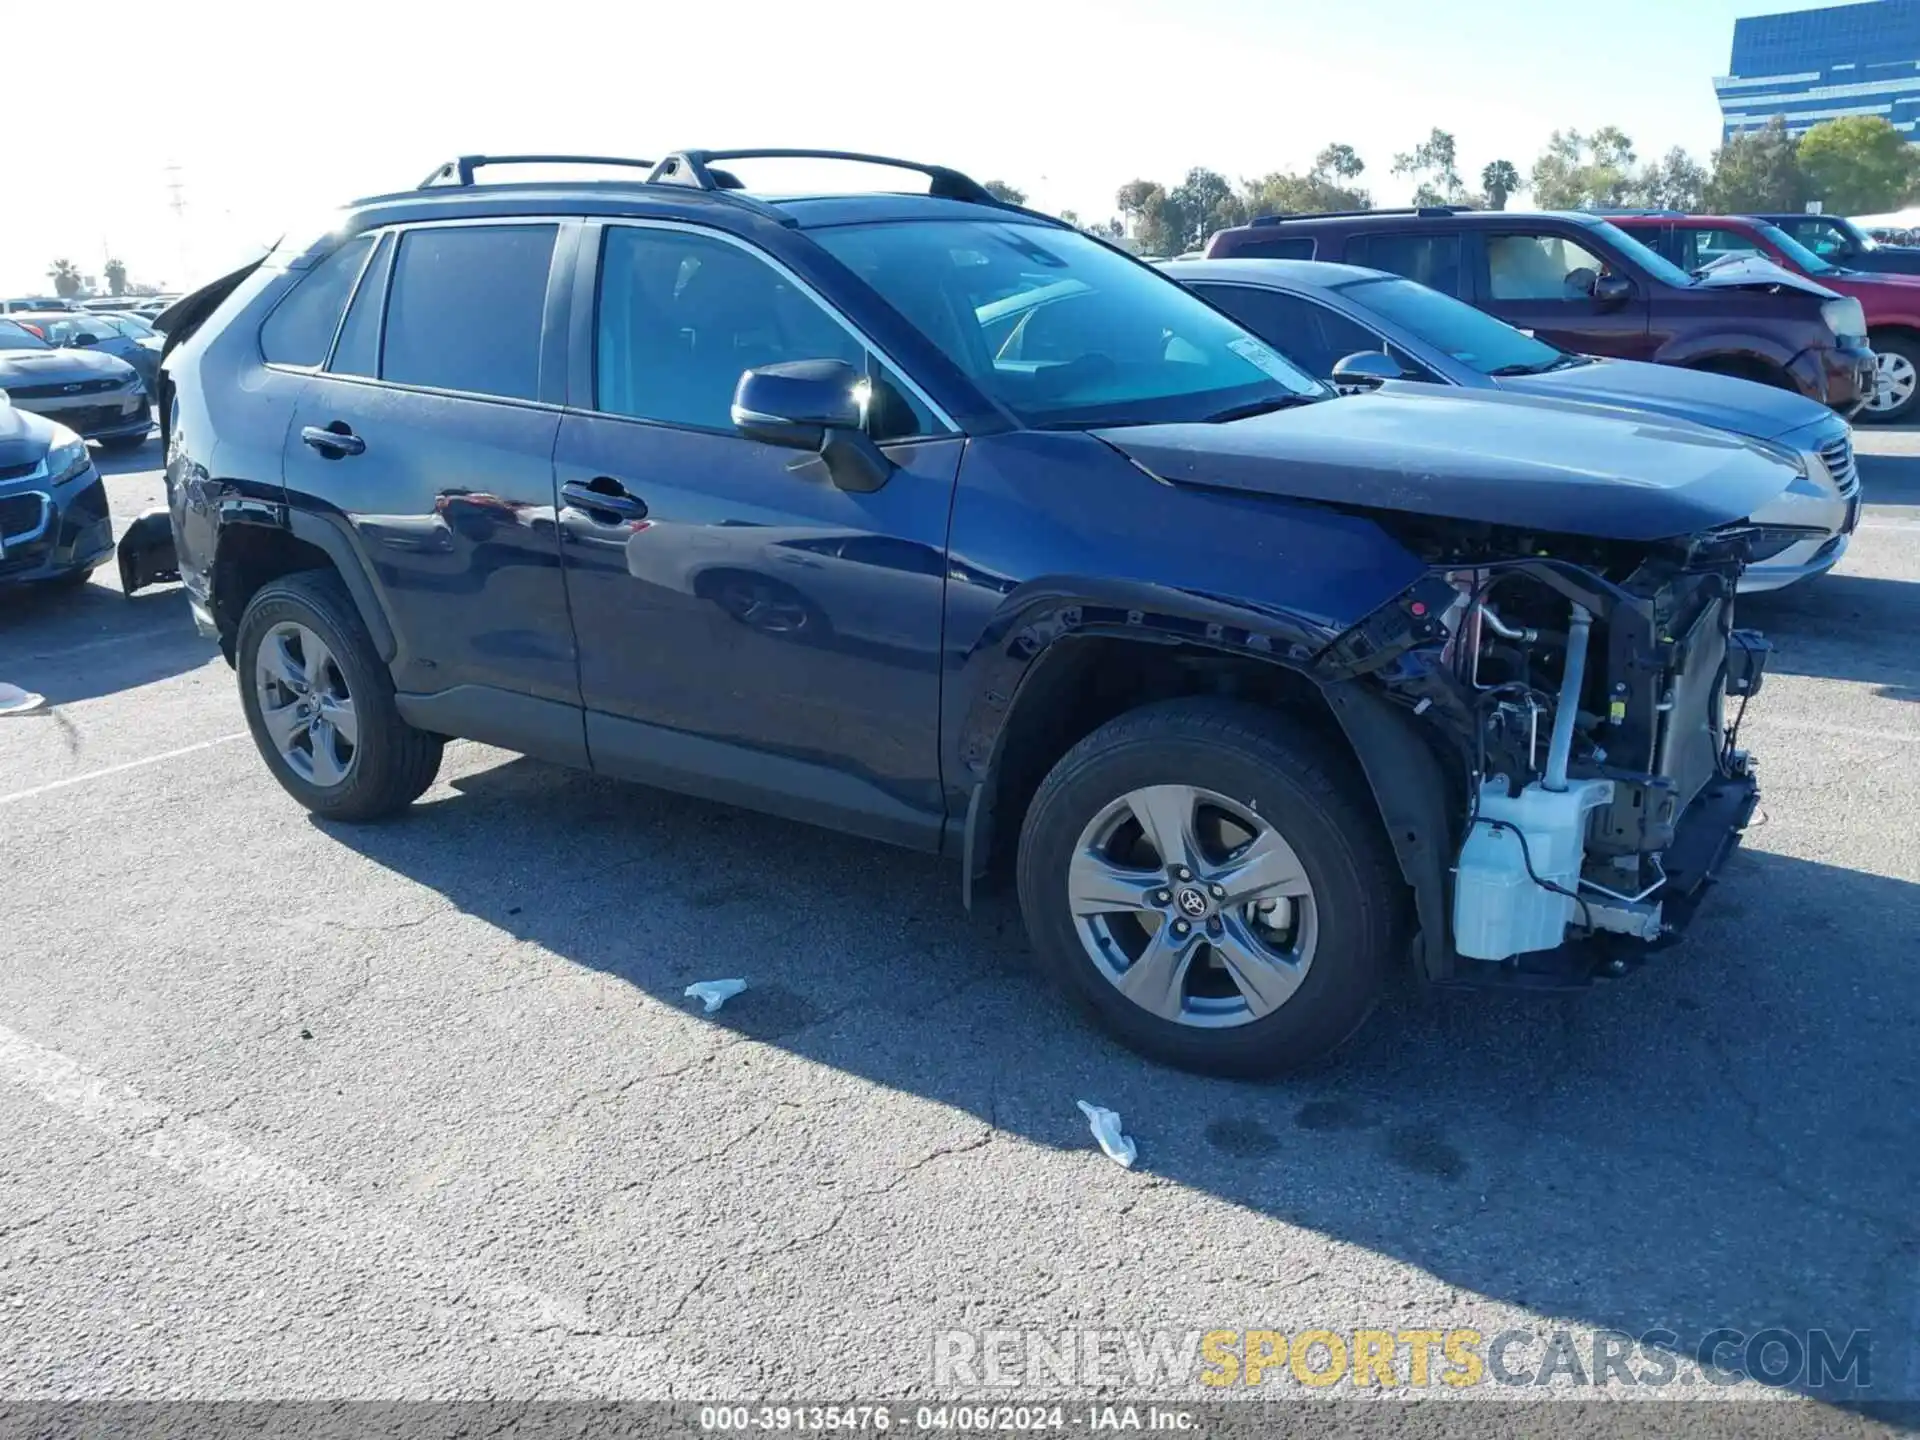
{"points": [[264, 116]]}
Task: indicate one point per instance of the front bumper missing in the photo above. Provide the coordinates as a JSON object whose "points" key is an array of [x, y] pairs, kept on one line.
{"points": [[1704, 840]]}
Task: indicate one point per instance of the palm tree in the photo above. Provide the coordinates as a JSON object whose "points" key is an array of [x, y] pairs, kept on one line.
{"points": [[1499, 180], [116, 273], [66, 277]]}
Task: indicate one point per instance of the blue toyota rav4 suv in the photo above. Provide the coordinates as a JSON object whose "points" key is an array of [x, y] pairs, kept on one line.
{"points": [[1262, 689]]}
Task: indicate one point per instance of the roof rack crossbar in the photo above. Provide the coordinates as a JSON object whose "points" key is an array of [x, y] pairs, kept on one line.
{"points": [[694, 168], [460, 170]]}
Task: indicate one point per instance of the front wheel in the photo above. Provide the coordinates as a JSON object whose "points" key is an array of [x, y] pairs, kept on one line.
{"points": [[1208, 883], [1896, 376], [320, 703]]}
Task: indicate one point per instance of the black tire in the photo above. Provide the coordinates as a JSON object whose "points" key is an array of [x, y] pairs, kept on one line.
{"points": [[1908, 349], [1295, 782], [119, 444], [393, 763]]}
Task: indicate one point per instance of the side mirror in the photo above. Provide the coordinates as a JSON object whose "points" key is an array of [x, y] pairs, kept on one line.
{"points": [[1611, 290], [816, 405], [1365, 370]]}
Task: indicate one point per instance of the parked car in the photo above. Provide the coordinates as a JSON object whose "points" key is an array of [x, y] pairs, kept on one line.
{"points": [[1245, 708], [127, 338], [1359, 328], [54, 526], [1585, 285], [96, 395], [37, 302], [1890, 303], [1837, 240]]}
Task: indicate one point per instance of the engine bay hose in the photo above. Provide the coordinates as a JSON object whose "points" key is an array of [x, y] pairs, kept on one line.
{"points": [[1560, 747]]}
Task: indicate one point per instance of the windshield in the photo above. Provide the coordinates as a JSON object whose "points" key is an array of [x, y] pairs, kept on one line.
{"points": [[12, 337], [1471, 336], [1861, 239], [1799, 254], [60, 329], [1656, 264], [1060, 329]]}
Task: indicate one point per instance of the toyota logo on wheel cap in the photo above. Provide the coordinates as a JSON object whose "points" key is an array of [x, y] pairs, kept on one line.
{"points": [[1193, 903]]}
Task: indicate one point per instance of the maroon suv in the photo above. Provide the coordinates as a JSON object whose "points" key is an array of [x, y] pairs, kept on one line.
{"points": [[1586, 285]]}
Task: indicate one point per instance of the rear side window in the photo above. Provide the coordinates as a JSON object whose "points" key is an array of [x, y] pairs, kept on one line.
{"points": [[358, 352], [300, 329], [1431, 260], [1270, 247], [1310, 335], [466, 307]]}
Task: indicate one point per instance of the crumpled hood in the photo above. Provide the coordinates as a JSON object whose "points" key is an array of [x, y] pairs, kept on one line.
{"points": [[1763, 411], [55, 367], [1758, 272], [1507, 459]]}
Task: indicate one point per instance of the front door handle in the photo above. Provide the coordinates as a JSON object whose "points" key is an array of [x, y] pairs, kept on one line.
{"points": [[333, 440], [606, 495]]}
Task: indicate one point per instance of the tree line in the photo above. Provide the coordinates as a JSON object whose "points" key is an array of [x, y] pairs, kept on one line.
{"points": [[68, 281], [1855, 165]]}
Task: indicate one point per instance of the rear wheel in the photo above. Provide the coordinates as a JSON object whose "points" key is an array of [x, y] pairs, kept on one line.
{"points": [[1896, 374], [319, 702], [1207, 883]]}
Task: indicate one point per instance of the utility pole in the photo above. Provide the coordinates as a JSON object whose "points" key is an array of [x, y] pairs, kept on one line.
{"points": [[177, 202]]}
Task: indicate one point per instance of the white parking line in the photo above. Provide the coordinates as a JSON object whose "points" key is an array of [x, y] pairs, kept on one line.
{"points": [[53, 785], [1888, 525], [609, 1363]]}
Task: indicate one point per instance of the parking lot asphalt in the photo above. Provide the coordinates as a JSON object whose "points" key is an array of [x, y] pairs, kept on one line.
{"points": [[417, 1109]]}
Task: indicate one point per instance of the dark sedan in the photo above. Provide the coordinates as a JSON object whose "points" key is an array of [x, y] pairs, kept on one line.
{"points": [[53, 506], [1839, 241], [1359, 328], [93, 394]]}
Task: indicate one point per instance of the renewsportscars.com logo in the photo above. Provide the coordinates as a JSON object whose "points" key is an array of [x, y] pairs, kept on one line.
{"points": [[1152, 1361]]}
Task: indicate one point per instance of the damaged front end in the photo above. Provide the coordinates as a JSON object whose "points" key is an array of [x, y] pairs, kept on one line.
{"points": [[1578, 698]]}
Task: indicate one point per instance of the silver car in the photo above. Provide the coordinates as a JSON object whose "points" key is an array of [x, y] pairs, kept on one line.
{"points": [[1360, 328]]}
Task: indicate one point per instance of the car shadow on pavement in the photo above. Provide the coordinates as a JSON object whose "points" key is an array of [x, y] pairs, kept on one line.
{"points": [[1889, 480], [78, 643], [1843, 627], [1722, 1140]]}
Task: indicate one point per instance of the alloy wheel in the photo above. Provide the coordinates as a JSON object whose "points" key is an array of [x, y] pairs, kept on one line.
{"points": [[1192, 906], [1894, 380], [305, 704]]}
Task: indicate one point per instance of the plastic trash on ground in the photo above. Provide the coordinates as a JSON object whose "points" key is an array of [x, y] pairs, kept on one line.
{"points": [[15, 701], [714, 993], [1105, 1124]]}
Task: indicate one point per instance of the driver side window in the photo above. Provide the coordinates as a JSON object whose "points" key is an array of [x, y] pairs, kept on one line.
{"points": [[682, 316], [1540, 267]]}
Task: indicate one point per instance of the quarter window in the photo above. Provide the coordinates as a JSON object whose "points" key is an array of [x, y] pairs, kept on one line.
{"points": [[682, 316], [1540, 267], [300, 329], [466, 309]]}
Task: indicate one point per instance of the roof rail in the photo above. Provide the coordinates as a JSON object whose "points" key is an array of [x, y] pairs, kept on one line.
{"points": [[460, 170], [1662, 210], [1425, 212], [694, 168]]}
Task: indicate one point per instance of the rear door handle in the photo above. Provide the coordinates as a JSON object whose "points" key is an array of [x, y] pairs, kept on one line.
{"points": [[604, 494], [333, 442]]}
